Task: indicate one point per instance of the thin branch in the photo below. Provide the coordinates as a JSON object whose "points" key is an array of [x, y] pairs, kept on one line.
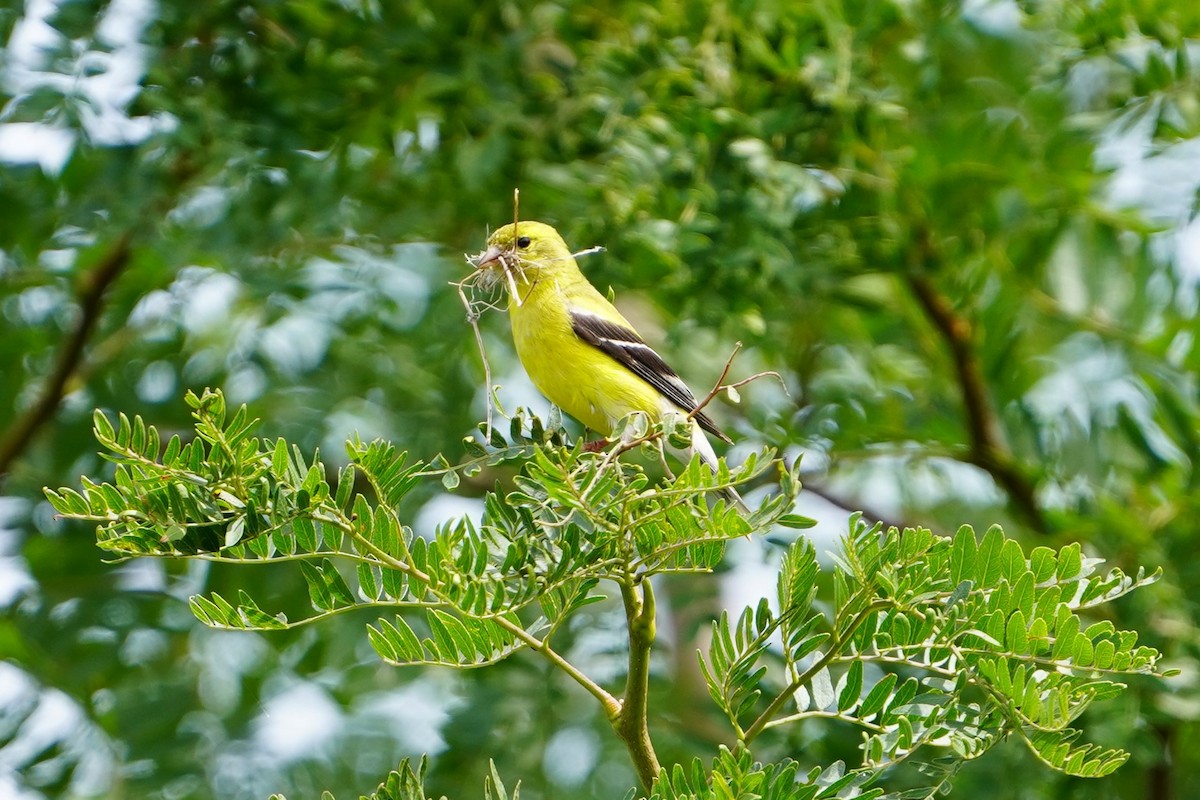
{"points": [[987, 448], [324, 615], [217, 558], [766, 373], [803, 715], [91, 304], [856, 505], [737, 346], [721, 386], [612, 706], [473, 319]]}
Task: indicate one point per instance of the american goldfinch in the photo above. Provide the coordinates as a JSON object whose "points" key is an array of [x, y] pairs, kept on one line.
{"points": [[577, 348]]}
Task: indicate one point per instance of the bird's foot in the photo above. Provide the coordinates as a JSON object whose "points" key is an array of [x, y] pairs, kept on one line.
{"points": [[595, 446]]}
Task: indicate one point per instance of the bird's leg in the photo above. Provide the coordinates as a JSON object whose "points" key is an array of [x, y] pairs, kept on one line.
{"points": [[596, 446]]}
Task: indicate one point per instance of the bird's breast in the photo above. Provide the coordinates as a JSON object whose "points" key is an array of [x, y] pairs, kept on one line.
{"points": [[576, 377]]}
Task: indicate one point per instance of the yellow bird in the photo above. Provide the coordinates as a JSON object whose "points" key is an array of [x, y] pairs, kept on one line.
{"points": [[577, 348]]}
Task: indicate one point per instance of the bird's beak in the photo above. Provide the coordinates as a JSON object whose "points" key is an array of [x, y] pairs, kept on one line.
{"points": [[487, 258]]}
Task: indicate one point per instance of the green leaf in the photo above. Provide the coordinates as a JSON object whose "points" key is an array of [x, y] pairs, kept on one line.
{"points": [[327, 589], [1016, 639], [1013, 561], [494, 787], [306, 534], [174, 447], [902, 697], [873, 703], [254, 618], [1043, 562], [368, 581], [1067, 630], [963, 554], [851, 687], [279, 460], [989, 567], [103, 428], [1070, 562]]}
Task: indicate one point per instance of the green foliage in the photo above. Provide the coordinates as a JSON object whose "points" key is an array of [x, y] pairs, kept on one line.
{"points": [[887, 202], [992, 642], [407, 783], [967, 642], [737, 775], [575, 519]]}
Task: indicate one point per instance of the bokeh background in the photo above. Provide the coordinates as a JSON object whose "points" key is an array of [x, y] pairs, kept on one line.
{"points": [[964, 232]]}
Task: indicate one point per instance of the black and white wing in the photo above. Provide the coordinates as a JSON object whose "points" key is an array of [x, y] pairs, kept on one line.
{"points": [[628, 349]]}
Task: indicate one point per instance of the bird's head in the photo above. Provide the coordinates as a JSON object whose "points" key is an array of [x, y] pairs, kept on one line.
{"points": [[523, 250]]}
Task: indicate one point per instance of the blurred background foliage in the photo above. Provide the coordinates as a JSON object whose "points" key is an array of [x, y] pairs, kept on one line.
{"points": [[963, 231]]}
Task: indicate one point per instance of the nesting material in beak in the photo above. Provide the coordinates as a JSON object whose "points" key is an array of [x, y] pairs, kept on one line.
{"points": [[487, 258], [494, 265]]}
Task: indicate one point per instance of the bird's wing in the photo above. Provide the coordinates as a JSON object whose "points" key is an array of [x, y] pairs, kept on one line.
{"points": [[628, 349]]}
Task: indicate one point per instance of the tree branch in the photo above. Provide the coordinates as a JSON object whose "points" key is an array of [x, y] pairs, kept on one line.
{"points": [[542, 647], [631, 723], [91, 304], [1160, 781], [987, 448], [856, 505]]}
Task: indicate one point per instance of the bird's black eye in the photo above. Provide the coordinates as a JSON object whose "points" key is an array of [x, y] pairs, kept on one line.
{"points": [[523, 242]]}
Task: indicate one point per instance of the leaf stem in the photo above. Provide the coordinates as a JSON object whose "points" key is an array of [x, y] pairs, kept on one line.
{"points": [[821, 663], [611, 705], [815, 714]]}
